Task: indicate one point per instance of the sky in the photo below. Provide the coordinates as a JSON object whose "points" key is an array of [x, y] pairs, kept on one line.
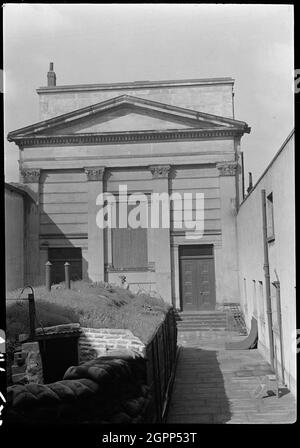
{"points": [[99, 43]]}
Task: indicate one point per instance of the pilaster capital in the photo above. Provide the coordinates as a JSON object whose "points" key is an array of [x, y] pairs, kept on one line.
{"points": [[30, 175], [94, 173], [160, 171], [227, 168]]}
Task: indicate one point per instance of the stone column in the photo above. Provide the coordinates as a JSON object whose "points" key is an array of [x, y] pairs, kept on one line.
{"points": [[95, 233], [161, 237], [31, 177], [229, 257]]}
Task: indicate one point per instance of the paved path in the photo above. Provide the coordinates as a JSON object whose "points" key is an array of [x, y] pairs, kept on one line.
{"points": [[214, 385]]}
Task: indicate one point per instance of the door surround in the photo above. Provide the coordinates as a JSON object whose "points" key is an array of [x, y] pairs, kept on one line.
{"points": [[197, 255]]}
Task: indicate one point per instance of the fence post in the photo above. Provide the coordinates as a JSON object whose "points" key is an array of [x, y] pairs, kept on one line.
{"points": [[48, 275], [67, 275], [31, 315]]}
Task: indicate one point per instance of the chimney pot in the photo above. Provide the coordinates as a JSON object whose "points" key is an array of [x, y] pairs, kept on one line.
{"points": [[51, 76], [250, 183]]}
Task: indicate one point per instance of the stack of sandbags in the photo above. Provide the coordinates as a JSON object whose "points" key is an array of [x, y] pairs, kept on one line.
{"points": [[109, 389]]}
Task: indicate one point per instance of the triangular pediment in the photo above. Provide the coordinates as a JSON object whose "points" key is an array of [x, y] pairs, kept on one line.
{"points": [[126, 114], [124, 120]]}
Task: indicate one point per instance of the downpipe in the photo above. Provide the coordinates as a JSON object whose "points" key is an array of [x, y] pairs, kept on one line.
{"points": [[278, 301], [267, 278]]}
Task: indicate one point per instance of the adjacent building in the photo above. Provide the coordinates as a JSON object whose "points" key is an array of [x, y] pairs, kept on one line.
{"points": [[17, 207], [266, 248]]}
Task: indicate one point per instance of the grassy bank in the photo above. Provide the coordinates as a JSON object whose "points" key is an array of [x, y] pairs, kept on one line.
{"points": [[92, 305]]}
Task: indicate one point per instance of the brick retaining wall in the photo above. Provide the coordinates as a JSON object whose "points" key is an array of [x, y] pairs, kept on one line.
{"points": [[95, 342]]}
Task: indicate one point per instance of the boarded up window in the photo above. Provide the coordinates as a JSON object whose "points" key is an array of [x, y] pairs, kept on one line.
{"points": [[129, 246], [59, 256], [197, 250]]}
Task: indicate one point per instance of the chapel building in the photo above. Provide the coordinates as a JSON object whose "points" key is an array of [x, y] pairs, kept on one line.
{"points": [[153, 137]]}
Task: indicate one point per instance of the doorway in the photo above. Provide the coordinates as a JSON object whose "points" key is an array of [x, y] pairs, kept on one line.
{"points": [[197, 277]]}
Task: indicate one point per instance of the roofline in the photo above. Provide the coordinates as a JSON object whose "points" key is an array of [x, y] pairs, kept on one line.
{"points": [[270, 164], [135, 85], [121, 100]]}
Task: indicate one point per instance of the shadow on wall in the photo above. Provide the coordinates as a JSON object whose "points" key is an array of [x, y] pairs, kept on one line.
{"points": [[198, 393], [58, 249]]}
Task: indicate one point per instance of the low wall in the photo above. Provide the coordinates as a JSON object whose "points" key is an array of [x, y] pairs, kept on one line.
{"points": [[118, 379], [160, 353]]}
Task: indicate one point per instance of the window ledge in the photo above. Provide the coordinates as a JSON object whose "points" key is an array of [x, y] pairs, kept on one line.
{"points": [[138, 269]]}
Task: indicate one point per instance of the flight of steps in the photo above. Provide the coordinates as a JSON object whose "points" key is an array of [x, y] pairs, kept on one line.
{"points": [[201, 321]]}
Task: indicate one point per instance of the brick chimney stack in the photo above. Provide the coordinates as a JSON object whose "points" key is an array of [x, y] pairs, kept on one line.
{"points": [[51, 76]]}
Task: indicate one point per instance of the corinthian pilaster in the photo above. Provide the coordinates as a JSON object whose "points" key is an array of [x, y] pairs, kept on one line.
{"points": [[95, 233], [160, 171], [160, 236], [228, 194], [31, 175], [94, 173], [227, 168]]}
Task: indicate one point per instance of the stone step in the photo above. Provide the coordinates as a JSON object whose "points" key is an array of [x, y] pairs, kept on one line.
{"points": [[200, 313], [184, 329], [201, 324], [200, 317], [202, 321], [210, 315], [197, 328]]}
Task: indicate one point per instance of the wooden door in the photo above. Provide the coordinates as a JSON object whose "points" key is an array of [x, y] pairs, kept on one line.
{"points": [[197, 279]]}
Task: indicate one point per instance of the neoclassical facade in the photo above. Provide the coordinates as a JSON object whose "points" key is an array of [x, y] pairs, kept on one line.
{"points": [[170, 137]]}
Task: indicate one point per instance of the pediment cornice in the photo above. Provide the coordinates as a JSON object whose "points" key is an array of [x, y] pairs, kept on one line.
{"points": [[73, 127], [126, 137]]}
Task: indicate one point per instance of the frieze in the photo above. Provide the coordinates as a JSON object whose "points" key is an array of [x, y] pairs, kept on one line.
{"points": [[126, 137]]}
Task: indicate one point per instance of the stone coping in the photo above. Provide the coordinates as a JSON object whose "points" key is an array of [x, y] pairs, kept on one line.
{"points": [[135, 85], [62, 330]]}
